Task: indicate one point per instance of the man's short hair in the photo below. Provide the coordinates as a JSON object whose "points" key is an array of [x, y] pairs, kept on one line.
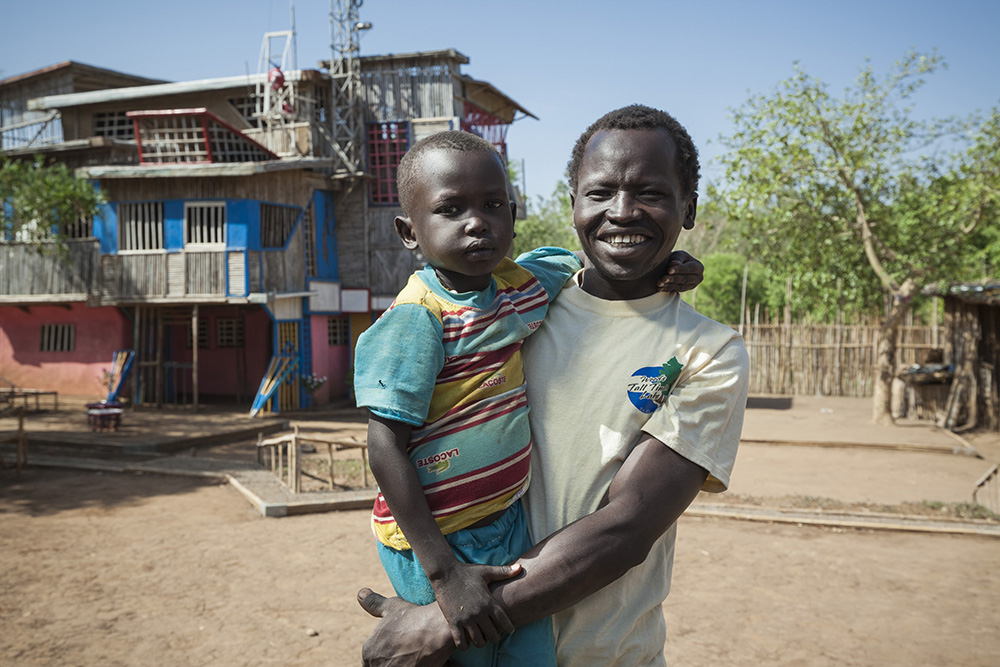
{"points": [[639, 117], [408, 172]]}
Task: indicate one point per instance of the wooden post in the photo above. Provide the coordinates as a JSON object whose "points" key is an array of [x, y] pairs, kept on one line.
{"points": [[158, 342], [22, 442], [838, 333], [194, 355], [789, 388], [296, 467], [329, 453], [743, 295]]}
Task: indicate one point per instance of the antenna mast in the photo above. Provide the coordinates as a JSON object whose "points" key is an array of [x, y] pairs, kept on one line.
{"points": [[345, 72]]}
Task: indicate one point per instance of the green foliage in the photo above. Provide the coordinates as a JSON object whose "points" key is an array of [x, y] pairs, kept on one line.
{"points": [[853, 191], [720, 294], [549, 223], [41, 200]]}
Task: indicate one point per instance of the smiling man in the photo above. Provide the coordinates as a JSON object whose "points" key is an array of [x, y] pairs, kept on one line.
{"points": [[636, 405]]}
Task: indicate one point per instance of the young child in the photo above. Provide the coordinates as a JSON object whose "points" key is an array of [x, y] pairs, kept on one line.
{"points": [[440, 373]]}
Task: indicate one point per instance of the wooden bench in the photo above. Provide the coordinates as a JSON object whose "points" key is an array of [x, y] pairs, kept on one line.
{"points": [[281, 454]]}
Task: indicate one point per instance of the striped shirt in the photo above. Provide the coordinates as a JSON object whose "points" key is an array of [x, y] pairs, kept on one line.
{"points": [[450, 365]]}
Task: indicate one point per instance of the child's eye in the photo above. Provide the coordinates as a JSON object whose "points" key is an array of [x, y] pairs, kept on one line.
{"points": [[446, 210]]}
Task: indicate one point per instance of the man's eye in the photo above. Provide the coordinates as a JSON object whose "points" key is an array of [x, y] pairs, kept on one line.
{"points": [[599, 195], [494, 204]]}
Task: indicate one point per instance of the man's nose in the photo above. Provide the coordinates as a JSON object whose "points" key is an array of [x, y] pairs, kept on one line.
{"points": [[622, 208]]}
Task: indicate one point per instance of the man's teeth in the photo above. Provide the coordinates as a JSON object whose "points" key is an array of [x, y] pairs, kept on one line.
{"points": [[624, 239]]}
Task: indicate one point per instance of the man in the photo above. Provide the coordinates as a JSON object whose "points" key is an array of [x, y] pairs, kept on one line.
{"points": [[636, 405]]}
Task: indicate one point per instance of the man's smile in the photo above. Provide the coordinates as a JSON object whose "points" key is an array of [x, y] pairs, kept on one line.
{"points": [[623, 240]]}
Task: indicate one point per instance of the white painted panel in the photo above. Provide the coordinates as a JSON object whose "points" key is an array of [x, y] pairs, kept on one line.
{"points": [[287, 309], [328, 298], [354, 301]]}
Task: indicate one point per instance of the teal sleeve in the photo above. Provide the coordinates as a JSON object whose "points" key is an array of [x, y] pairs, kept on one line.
{"points": [[396, 363], [552, 266]]}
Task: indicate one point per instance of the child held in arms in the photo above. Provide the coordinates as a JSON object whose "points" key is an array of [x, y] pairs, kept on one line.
{"points": [[441, 375]]}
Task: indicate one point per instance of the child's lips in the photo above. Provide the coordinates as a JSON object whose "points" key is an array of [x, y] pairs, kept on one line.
{"points": [[479, 249]]}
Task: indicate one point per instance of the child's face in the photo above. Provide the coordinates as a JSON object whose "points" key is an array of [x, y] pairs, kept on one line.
{"points": [[461, 217], [628, 210]]}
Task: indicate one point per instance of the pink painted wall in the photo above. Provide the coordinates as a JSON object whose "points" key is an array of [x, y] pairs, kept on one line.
{"points": [[220, 367], [99, 332], [333, 361]]}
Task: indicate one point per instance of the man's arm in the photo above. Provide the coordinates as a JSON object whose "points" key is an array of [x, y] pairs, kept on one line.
{"points": [[651, 490]]}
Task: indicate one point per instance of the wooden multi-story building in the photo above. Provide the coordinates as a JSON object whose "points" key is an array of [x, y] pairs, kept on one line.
{"points": [[230, 236]]}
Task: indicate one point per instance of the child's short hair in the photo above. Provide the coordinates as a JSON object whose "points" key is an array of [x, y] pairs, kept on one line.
{"points": [[639, 117], [409, 167]]}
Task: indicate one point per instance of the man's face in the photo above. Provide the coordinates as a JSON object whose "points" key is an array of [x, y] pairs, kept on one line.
{"points": [[461, 217], [628, 210]]}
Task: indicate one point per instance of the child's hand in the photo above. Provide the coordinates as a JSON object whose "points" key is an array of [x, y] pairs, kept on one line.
{"points": [[464, 597], [683, 273]]}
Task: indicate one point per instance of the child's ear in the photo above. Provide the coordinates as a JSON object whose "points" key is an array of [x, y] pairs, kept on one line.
{"points": [[691, 212], [404, 228]]}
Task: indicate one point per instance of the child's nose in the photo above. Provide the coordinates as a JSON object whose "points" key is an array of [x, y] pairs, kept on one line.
{"points": [[475, 225]]}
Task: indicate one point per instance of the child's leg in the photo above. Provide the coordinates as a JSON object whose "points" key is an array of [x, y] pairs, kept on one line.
{"points": [[406, 574], [500, 543]]}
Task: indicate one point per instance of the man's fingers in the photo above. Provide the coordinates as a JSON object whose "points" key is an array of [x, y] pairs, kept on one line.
{"points": [[458, 636], [500, 572], [502, 621], [476, 637], [372, 602]]}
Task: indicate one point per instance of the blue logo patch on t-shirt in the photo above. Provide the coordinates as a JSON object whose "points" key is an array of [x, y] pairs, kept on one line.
{"points": [[649, 386]]}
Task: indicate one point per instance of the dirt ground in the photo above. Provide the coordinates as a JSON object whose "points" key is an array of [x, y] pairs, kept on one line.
{"points": [[123, 569]]}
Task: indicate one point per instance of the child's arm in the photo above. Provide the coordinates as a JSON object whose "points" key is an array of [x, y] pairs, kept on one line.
{"points": [[461, 589], [684, 272]]}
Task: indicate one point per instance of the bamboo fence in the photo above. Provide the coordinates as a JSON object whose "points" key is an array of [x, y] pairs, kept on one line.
{"points": [[812, 359]]}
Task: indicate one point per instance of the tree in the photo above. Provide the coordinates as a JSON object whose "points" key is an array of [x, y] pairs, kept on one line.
{"points": [[854, 187], [720, 294], [39, 201], [549, 222]]}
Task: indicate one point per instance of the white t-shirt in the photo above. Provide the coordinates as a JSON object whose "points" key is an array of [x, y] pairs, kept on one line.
{"points": [[599, 374]]}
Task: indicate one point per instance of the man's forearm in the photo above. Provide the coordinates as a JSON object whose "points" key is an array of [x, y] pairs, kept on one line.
{"points": [[650, 492]]}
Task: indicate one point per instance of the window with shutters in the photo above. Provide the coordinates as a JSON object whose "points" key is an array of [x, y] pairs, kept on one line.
{"points": [[140, 226], [205, 225], [229, 332], [387, 142], [338, 332], [58, 338]]}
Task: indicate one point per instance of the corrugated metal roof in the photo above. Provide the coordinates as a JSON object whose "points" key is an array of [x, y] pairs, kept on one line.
{"points": [[987, 291]]}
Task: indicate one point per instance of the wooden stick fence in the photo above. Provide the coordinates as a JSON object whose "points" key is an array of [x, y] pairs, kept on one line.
{"points": [[824, 359]]}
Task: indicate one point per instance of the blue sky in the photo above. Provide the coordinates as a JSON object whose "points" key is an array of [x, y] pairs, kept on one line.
{"points": [[567, 62]]}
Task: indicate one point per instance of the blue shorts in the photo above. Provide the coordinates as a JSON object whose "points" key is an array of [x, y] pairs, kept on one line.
{"points": [[500, 543]]}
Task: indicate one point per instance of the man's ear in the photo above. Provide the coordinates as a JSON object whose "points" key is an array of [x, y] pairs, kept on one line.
{"points": [[691, 212], [513, 210], [404, 228]]}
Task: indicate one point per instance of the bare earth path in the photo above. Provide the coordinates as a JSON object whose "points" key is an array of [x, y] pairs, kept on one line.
{"points": [[125, 569]]}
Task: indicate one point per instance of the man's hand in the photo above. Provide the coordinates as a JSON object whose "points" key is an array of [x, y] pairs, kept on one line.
{"points": [[683, 273], [465, 599], [408, 634]]}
